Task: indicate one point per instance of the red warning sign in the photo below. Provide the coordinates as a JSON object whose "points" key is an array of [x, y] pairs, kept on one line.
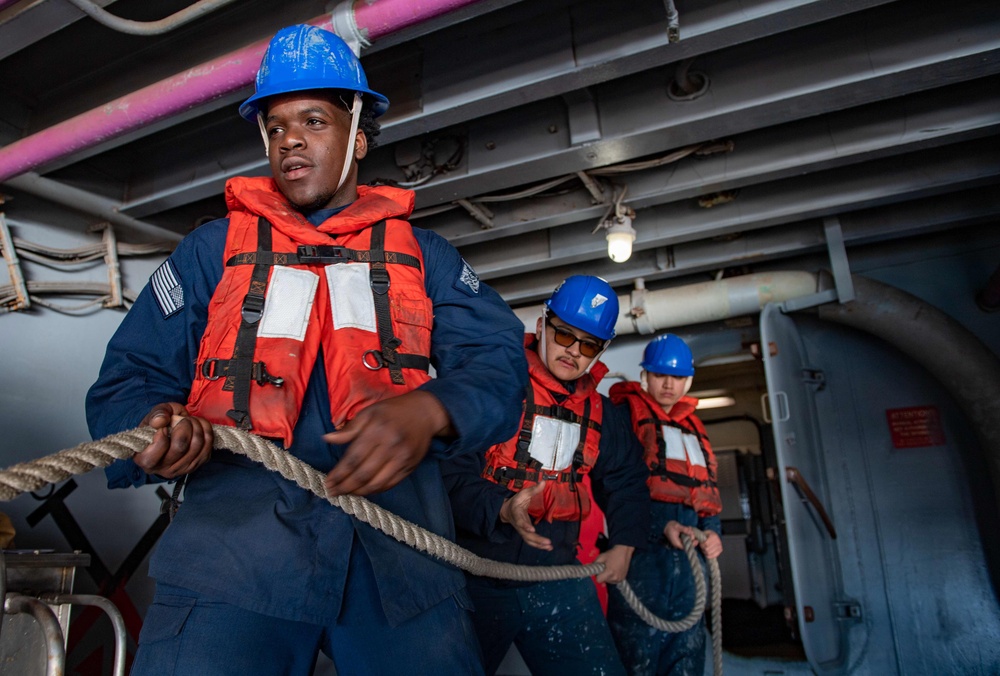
{"points": [[915, 426]]}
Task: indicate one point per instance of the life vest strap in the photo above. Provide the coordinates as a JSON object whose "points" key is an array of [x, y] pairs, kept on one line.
{"points": [[373, 361], [380, 282], [319, 255], [680, 479], [215, 368], [505, 475], [566, 415], [240, 369]]}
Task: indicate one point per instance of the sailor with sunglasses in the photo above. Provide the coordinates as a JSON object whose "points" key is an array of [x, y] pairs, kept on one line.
{"points": [[524, 503]]}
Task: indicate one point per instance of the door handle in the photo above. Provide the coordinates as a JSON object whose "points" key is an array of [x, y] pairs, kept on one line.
{"points": [[796, 479]]}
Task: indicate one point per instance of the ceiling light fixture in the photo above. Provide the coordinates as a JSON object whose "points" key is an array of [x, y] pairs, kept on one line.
{"points": [[617, 223], [620, 236]]}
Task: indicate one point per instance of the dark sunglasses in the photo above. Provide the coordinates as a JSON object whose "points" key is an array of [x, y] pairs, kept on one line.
{"points": [[588, 348]]}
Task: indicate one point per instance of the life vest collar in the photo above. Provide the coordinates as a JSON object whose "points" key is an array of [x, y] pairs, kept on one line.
{"points": [[684, 407], [260, 196]]}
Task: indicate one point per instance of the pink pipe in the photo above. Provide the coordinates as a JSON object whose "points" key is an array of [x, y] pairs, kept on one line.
{"points": [[378, 19], [176, 94]]}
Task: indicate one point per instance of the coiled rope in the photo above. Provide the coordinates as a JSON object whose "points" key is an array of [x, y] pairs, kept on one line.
{"points": [[31, 476]]}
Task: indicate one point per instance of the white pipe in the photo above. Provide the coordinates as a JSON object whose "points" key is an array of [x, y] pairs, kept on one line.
{"points": [[649, 311]]}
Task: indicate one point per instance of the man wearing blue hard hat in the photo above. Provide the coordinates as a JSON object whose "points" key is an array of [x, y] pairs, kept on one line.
{"points": [[684, 494], [524, 502], [310, 316]]}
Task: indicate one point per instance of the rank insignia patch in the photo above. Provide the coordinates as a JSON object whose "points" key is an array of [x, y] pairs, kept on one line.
{"points": [[468, 278]]}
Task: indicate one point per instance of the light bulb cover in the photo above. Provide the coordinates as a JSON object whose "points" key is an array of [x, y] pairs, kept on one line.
{"points": [[620, 236]]}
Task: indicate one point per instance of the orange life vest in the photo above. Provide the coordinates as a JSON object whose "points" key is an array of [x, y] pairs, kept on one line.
{"points": [[682, 466], [558, 442], [290, 289]]}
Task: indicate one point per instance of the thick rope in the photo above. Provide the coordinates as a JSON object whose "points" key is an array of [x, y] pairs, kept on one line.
{"points": [[31, 476]]}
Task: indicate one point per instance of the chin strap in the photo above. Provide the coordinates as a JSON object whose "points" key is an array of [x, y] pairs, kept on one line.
{"points": [[355, 117], [263, 131]]}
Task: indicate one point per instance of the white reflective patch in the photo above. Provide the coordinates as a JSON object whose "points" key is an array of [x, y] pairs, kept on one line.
{"points": [[673, 438], [351, 299], [553, 442], [682, 446], [693, 448], [288, 303]]}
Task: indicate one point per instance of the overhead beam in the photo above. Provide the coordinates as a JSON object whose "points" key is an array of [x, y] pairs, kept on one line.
{"points": [[568, 51], [884, 129], [928, 172], [864, 227]]}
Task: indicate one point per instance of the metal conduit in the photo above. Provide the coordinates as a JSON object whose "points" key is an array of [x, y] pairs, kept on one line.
{"points": [[214, 79], [146, 28], [966, 367], [55, 650]]}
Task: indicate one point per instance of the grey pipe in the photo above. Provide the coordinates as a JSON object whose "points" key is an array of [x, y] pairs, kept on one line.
{"points": [[175, 20], [966, 367], [87, 203]]}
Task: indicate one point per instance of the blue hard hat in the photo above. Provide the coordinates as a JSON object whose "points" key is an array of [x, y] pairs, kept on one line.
{"points": [[587, 303], [303, 57], [668, 355]]}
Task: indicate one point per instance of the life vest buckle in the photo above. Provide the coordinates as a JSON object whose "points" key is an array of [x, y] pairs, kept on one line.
{"points": [[379, 280], [377, 356], [208, 368], [253, 308], [259, 373], [564, 414], [313, 254]]}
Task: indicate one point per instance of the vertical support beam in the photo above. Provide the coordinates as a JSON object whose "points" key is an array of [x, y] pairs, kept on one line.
{"points": [[9, 253], [838, 259]]}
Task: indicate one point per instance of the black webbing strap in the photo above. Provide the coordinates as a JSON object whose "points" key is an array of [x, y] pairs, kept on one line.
{"points": [[319, 255], [680, 479], [239, 369], [214, 368], [563, 413], [379, 276], [504, 474], [521, 455], [578, 453]]}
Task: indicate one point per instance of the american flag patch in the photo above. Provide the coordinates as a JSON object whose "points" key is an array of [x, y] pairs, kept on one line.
{"points": [[167, 289]]}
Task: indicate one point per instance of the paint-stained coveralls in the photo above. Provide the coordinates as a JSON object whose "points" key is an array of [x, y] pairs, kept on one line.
{"points": [[558, 627], [661, 575], [294, 573]]}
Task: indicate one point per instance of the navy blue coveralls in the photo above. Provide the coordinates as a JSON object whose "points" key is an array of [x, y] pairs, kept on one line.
{"points": [[246, 539], [558, 627]]}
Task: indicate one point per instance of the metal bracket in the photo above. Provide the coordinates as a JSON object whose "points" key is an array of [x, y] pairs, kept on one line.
{"points": [[848, 610], [582, 116], [814, 377], [843, 290], [838, 259], [640, 318], [346, 26]]}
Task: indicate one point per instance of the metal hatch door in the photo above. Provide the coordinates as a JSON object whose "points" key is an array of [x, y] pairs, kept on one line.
{"points": [[791, 385]]}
